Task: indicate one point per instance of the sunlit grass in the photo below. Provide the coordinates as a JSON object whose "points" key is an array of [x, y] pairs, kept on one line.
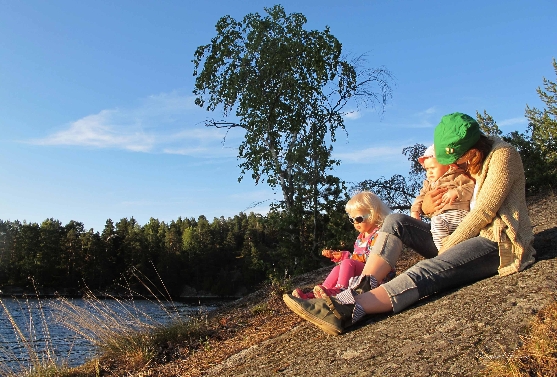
{"points": [[537, 356], [122, 331]]}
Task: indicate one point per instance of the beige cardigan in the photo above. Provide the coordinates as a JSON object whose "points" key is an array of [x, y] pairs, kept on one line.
{"points": [[500, 213]]}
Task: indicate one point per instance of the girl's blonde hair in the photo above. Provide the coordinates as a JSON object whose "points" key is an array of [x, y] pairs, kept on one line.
{"points": [[367, 202]]}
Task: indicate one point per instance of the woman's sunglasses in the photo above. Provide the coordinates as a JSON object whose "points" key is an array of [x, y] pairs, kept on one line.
{"points": [[357, 219]]}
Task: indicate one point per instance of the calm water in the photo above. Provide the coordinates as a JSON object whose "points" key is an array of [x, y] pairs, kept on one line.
{"points": [[39, 323]]}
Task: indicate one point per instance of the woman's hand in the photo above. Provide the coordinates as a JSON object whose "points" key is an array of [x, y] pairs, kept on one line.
{"points": [[433, 201], [450, 196]]}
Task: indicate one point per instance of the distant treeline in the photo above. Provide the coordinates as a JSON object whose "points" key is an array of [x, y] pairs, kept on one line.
{"points": [[225, 257]]}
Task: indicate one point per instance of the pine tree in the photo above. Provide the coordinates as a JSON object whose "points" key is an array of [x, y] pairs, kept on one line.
{"points": [[543, 127], [488, 124]]}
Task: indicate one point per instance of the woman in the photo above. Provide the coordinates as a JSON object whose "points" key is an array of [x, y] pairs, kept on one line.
{"points": [[495, 237]]}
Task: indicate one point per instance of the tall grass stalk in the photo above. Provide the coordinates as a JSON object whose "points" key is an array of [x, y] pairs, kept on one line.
{"points": [[122, 331], [42, 360], [109, 325]]}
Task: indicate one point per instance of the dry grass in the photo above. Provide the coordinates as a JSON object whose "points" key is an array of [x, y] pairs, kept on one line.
{"points": [[537, 356], [188, 348]]}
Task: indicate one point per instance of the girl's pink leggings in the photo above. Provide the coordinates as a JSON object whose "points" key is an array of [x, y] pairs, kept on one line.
{"points": [[341, 273]]}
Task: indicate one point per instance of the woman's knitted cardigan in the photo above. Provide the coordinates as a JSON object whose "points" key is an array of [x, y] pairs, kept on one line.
{"points": [[500, 213]]}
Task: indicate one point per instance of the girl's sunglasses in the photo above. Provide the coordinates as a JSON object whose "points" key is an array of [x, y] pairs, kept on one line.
{"points": [[357, 219]]}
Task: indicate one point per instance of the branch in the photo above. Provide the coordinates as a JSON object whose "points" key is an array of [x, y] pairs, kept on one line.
{"points": [[229, 125]]}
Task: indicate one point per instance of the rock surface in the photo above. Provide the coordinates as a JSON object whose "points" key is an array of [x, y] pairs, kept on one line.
{"points": [[449, 334]]}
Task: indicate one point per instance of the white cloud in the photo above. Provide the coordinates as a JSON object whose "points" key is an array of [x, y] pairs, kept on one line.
{"points": [[512, 122], [353, 115], [369, 155], [163, 123], [99, 131], [427, 112], [424, 118]]}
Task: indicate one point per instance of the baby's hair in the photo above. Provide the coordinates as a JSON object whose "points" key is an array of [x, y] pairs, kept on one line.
{"points": [[368, 202]]}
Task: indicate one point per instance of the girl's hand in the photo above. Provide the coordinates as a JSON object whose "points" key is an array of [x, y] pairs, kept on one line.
{"points": [[433, 201], [415, 215], [327, 253], [338, 256]]}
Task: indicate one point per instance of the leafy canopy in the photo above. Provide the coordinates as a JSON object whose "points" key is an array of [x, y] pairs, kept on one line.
{"points": [[288, 87]]}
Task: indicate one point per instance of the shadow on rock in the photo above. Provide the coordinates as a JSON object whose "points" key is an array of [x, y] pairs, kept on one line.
{"points": [[545, 243]]}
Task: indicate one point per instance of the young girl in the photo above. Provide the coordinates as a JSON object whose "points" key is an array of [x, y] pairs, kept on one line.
{"points": [[366, 211], [456, 200]]}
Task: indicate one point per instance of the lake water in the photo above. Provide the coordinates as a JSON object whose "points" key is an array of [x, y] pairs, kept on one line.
{"points": [[43, 326]]}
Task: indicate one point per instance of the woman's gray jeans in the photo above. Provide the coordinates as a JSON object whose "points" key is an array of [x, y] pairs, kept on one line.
{"points": [[462, 264]]}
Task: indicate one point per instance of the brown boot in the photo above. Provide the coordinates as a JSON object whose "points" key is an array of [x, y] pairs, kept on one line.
{"points": [[317, 311]]}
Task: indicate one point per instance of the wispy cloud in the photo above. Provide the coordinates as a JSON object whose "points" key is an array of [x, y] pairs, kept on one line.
{"points": [[99, 131], [203, 141], [512, 122], [353, 115], [427, 118], [427, 112], [424, 119], [163, 123], [368, 155]]}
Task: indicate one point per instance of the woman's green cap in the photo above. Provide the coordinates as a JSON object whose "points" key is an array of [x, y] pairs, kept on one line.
{"points": [[454, 136]]}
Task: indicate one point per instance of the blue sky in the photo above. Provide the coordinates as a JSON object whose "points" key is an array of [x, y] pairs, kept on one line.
{"points": [[97, 119]]}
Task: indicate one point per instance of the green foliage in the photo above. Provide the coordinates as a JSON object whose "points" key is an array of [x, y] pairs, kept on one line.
{"points": [[288, 87], [539, 176], [543, 137], [487, 124], [535, 168], [225, 257], [280, 283], [537, 146], [261, 308]]}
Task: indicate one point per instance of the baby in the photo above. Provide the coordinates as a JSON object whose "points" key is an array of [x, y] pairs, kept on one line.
{"points": [[456, 201]]}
